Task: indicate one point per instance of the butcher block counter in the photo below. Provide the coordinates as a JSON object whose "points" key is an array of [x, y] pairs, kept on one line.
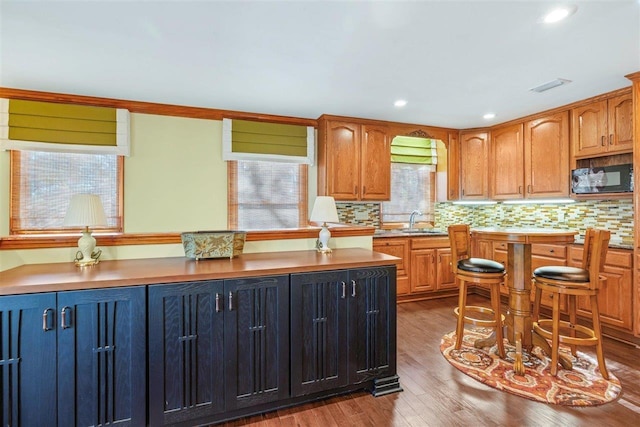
{"points": [[66, 276], [173, 341]]}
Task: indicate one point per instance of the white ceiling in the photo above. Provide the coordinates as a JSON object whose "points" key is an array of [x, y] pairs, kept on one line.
{"points": [[452, 61]]}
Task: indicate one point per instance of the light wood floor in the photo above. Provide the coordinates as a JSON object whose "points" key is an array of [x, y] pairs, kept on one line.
{"points": [[436, 394]]}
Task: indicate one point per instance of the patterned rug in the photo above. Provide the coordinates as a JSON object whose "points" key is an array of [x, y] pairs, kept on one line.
{"points": [[582, 386]]}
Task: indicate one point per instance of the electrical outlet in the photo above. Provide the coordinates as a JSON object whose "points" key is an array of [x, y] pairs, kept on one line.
{"points": [[362, 216], [560, 216]]}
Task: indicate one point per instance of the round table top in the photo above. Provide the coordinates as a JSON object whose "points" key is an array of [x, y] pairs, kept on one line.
{"points": [[525, 235]]}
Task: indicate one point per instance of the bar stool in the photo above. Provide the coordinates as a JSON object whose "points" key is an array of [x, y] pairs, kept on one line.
{"points": [[477, 271], [573, 282]]}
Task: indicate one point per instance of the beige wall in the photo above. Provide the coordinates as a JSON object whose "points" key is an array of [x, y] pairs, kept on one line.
{"points": [[175, 180]]}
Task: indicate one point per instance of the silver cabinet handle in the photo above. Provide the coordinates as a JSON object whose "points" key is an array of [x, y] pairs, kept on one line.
{"points": [[230, 301], [353, 288], [45, 319], [344, 290], [64, 323], [217, 302]]}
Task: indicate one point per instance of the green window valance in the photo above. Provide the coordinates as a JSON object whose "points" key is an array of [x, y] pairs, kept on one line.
{"points": [[49, 126], [407, 149], [248, 140]]}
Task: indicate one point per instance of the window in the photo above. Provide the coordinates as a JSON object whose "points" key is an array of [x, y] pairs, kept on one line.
{"points": [[42, 184], [267, 195], [411, 189]]}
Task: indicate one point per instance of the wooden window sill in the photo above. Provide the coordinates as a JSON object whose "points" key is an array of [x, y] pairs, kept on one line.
{"points": [[62, 241]]}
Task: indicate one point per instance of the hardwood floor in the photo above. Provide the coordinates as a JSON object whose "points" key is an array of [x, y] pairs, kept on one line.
{"points": [[437, 394]]}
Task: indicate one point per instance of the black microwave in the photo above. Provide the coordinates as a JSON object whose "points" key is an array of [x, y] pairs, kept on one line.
{"points": [[605, 179]]}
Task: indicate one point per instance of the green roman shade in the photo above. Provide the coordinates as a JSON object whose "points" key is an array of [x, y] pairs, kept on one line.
{"points": [[407, 149], [49, 126], [249, 140]]}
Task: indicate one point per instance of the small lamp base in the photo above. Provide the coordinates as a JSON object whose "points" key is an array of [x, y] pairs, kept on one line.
{"points": [[322, 245], [87, 263]]}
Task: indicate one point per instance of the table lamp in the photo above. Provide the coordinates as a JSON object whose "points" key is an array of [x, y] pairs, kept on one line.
{"points": [[324, 210], [85, 210]]}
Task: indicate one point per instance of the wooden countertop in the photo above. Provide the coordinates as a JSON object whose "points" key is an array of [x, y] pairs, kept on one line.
{"points": [[66, 276]]}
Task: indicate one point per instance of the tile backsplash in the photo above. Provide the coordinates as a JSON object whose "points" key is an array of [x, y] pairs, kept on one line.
{"points": [[613, 215]]}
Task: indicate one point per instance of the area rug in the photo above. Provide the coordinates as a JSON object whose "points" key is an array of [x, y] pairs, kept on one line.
{"points": [[582, 386]]}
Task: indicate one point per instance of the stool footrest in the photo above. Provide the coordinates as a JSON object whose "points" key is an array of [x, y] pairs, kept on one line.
{"points": [[470, 310], [544, 328]]}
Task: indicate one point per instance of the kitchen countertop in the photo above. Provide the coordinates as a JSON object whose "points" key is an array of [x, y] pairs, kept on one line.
{"points": [[426, 232]]}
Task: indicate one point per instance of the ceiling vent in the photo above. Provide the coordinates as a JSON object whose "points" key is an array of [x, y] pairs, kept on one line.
{"points": [[550, 85]]}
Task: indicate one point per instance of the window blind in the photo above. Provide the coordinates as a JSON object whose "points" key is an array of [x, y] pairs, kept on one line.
{"points": [[276, 142], [55, 127], [407, 149]]}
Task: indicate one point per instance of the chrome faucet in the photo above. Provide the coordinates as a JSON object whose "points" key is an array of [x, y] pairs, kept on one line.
{"points": [[412, 218]]}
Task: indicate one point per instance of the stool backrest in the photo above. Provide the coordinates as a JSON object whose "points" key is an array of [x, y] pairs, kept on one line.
{"points": [[460, 242], [596, 244]]}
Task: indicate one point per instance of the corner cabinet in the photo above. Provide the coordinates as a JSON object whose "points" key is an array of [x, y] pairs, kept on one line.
{"points": [[74, 358], [354, 160]]}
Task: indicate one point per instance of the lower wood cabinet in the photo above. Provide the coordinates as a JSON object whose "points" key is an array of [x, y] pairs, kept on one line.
{"points": [[74, 358], [343, 330]]}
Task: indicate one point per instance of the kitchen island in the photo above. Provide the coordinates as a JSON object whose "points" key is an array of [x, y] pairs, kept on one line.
{"points": [[220, 339]]}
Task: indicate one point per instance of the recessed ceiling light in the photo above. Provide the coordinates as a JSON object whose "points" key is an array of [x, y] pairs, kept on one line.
{"points": [[559, 14], [400, 103], [489, 116]]}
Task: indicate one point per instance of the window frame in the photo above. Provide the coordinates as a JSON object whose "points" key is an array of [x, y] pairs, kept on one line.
{"points": [[419, 223], [14, 202], [232, 195]]}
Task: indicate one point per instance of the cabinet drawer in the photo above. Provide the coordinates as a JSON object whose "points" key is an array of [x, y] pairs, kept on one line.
{"points": [[553, 251], [501, 246], [615, 257], [429, 242]]}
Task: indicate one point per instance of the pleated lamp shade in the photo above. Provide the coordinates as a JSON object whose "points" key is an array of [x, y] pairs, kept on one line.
{"points": [[85, 210]]}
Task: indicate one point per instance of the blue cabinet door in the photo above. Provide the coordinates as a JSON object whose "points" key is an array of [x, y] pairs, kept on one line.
{"points": [[28, 360], [185, 351], [319, 348], [102, 357], [256, 341], [372, 314]]}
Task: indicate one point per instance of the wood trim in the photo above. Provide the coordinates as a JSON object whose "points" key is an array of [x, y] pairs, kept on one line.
{"points": [[69, 241], [151, 107]]}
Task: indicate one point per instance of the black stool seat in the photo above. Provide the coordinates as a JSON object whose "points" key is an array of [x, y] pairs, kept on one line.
{"points": [[480, 265], [562, 273]]}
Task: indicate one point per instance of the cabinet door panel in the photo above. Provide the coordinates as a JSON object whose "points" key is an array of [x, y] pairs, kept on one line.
{"points": [[102, 357], [372, 327], [546, 156], [319, 351], [423, 270], [507, 150], [343, 164], [474, 157], [185, 351], [620, 123], [400, 249], [256, 337], [446, 278], [589, 125], [375, 177], [28, 360]]}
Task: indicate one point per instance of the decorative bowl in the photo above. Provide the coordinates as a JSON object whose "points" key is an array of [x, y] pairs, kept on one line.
{"points": [[213, 244]]}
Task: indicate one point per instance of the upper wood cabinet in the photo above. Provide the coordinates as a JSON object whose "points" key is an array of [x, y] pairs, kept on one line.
{"points": [[603, 127], [453, 167], [506, 162], [354, 160], [546, 156], [474, 162]]}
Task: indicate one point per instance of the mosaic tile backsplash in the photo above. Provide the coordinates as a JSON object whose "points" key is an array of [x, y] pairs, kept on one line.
{"points": [[613, 215]]}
